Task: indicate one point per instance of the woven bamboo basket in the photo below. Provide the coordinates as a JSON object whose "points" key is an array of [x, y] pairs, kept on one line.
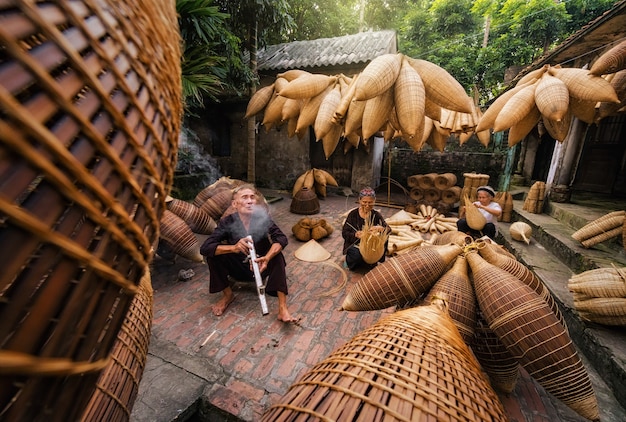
{"points": [[118, 385], [455, 289], [354, 117], [378, 76], [401, 278], [445, 181], [441, 87], [455, 237], [600, 282], [198, 220], [372, 244], [520, 231], [375, 113], [259, 100], [409, 97], [309, 111], [319, 231], [475, 219], [305, 202], [412, 181], [432, 195], [584, 85], [410, 366], [219, 185], [552, 97], [307, 86], [179, 236], [519, 130], [416, 194], [491, 253], [323, 121], [533, 334], [603, 224], [91, 113], [495, 359], [451, 195], [602, 306], [611, 61], [426, 181], [558, 129], [514, 111], [218, 203]]}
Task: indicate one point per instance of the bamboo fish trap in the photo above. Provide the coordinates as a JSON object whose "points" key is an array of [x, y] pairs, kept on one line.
{"points": [[90, 110], [372, 243], [495, 359], [455, 289], [532, 333], [118, 385], [410, 366], [400, 279]]}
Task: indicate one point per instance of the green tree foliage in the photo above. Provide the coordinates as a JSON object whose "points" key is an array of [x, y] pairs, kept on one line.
{"points": [[210, 50]]}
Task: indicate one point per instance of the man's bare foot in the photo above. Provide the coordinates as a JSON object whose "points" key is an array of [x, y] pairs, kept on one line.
{"points": [[219, 308], [285, 316]]}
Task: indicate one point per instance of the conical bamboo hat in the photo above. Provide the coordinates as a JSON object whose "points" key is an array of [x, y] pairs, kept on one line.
{"points": [[312, 251]]}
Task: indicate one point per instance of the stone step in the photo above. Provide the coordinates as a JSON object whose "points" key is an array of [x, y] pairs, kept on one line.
{"points": [[554, 257]]}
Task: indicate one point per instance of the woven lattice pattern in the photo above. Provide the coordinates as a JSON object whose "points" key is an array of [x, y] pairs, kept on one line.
{"points": [[90, 113], [118, 384], [400, 279], [532, 333], [495, 359], [521, 272], [455, 289], [412, 365]]}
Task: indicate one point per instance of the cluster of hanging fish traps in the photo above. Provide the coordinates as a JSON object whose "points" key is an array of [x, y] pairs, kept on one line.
{"points": [[553, 95], [395, 94], [498, 308]]}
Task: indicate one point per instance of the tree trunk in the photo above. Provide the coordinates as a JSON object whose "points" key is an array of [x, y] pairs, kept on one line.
{"points": [[252, 119]]}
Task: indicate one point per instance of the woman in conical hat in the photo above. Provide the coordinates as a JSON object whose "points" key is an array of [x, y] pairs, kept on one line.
{"points": [[363, 217], [489, 208]]}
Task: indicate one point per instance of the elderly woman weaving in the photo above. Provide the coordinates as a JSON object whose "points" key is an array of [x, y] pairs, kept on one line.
{"points": [[489, 208], [364, 224]]}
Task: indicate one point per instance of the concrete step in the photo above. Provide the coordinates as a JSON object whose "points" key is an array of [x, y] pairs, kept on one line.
{"points": [[554, 257]]}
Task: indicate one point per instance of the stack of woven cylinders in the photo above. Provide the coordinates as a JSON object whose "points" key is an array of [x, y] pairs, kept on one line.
{"points": [[436, 189]]}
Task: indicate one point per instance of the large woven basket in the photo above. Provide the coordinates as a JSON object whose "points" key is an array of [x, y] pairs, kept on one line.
{"points": [[495, 359], [305, 202], [532, 333], [400, 279], [90, 114], [410, 366], [118, 384], [455, 289], [491, 254]]}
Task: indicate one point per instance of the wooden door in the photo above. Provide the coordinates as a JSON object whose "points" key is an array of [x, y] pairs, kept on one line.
{"points": [[601, 165]]}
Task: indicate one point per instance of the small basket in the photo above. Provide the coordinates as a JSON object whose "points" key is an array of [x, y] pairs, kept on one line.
{"points": [[305, 202]]}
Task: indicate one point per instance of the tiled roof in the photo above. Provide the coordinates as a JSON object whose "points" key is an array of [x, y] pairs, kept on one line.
{"points": [[327, 52]]}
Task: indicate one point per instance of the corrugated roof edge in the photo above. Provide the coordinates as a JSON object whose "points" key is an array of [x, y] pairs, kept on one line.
{"points": [[344, 50]]}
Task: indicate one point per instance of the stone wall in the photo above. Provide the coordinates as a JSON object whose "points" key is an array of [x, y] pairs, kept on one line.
{"points": [[467, 158]]}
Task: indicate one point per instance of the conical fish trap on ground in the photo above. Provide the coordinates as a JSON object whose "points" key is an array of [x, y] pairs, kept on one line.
{"points": [[455, 289], [410, 366], [600, 295], [532, 333], [401, 278], [495, 359], [91, 114]]}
